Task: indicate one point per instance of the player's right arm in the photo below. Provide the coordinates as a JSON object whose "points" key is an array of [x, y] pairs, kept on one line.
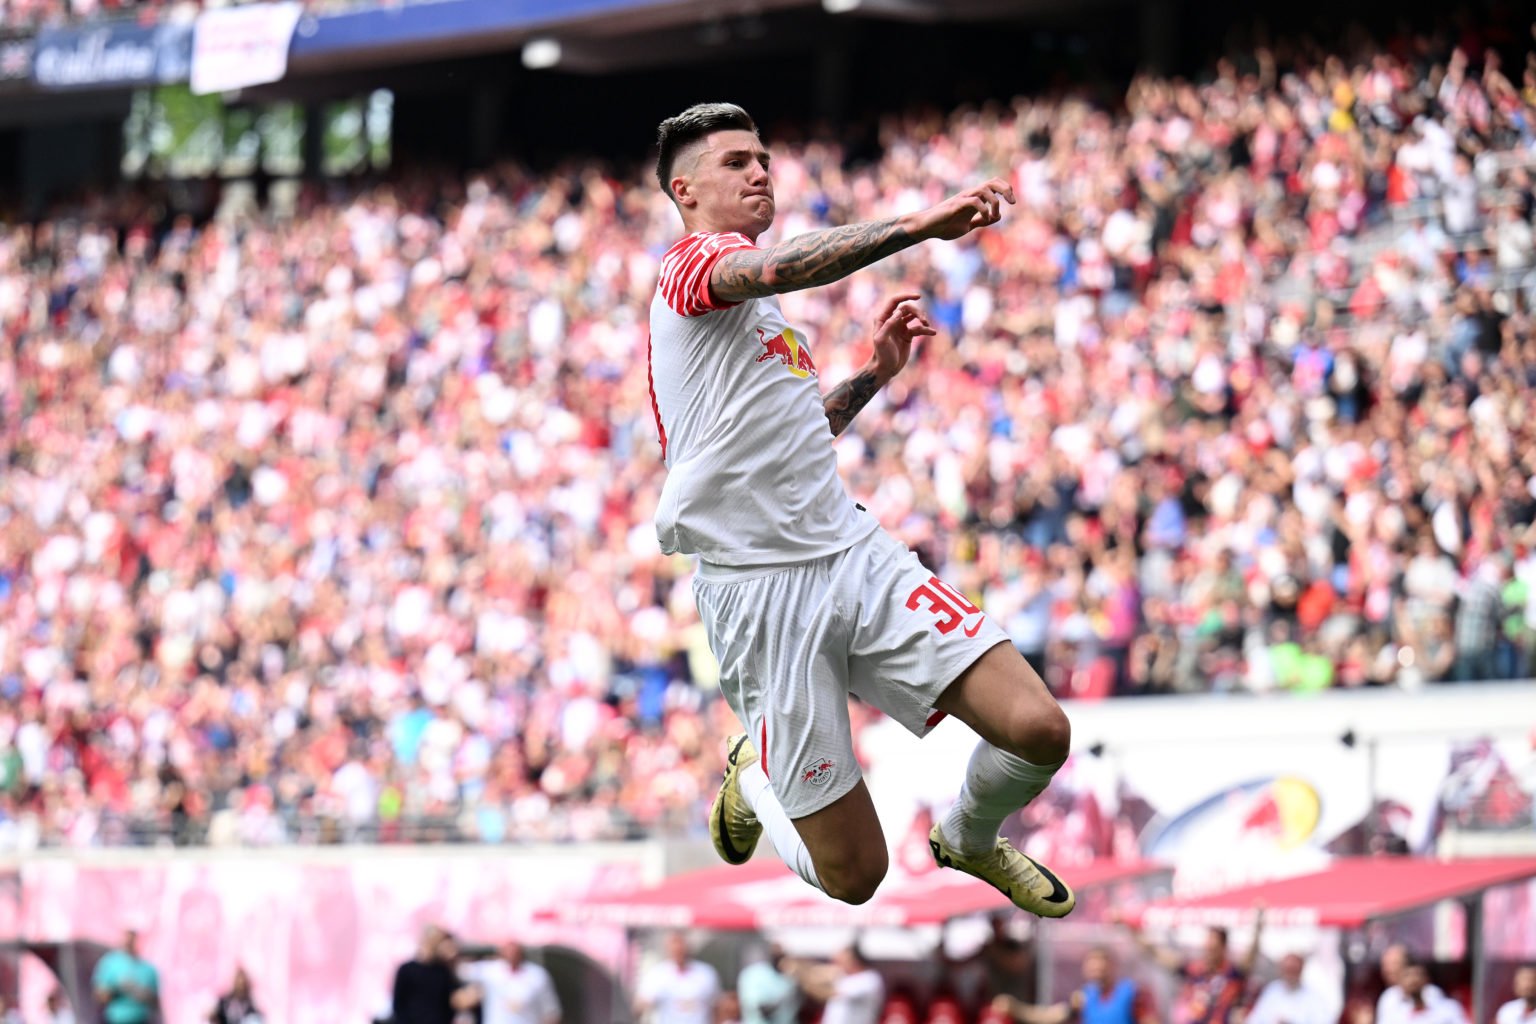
{"points": [[831, 254]]}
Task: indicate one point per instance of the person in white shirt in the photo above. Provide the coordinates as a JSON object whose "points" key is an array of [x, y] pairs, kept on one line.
{"points": [[1522, 1008], [1418, 1007], [1392, 1007], [853, 991], [513, 990], [678, 990], [1288, 1000]]}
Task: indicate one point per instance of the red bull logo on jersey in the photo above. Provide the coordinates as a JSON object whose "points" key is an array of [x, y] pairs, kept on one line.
{"points": [[790, 349], [818, 771]]}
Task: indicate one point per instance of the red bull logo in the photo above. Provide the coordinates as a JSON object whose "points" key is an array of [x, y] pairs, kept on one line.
{"points": [[818, 772], [790, 349]]}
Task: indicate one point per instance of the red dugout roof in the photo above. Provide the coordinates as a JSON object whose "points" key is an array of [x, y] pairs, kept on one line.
{"points": [[1346, 894], [765, 894]]}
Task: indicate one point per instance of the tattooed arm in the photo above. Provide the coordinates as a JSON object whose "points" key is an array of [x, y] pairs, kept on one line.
{"points": [[843, 402], [821, 257], [898, 323]]}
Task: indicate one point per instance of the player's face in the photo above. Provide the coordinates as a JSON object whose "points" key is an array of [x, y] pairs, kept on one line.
{"points": [[730, 184], [1525, 983], [1095, 968]]}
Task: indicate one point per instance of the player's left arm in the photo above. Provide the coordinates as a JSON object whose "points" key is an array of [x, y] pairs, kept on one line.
{"points": [[899, 323]]}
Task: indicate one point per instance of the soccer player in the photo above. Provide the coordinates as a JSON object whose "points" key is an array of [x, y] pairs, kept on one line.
{"points": [[804, 598]]}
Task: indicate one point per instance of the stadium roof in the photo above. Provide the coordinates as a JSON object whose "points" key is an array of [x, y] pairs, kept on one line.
{"points": [[1347, 894], [764, 894]]}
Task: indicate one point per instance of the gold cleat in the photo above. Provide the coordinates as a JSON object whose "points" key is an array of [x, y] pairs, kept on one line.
{"points": [[1030, 885], [733, 827]]}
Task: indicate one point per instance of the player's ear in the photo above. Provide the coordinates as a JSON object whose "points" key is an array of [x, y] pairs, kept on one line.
{"points": [[682, 191]]}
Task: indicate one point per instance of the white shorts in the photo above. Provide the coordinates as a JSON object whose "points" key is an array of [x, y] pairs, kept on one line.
{"points": [[795, 640]]}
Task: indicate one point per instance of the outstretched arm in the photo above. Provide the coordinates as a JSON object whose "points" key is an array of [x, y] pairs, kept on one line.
{"points": [[898, 323], [821, 257]]}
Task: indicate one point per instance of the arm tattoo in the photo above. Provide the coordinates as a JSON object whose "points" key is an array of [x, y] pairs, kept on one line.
{"points": [[808, 260], [843, 402]]}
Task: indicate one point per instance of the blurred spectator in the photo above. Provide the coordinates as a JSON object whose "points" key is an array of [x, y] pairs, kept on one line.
{"points": [[1213, 986], [58, 1009], [728, 1008], [1395, 1006], [427, 988], [1522, 1008], [1417, 1005], [1103, 998], [238, 1005], [126, 985], [1289, 1000], [850, 989], [678, 989], [512, 989], [768, 995]]}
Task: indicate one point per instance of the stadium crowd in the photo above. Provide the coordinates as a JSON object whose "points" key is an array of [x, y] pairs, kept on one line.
{"points": [[18, 16], [338, 525]]}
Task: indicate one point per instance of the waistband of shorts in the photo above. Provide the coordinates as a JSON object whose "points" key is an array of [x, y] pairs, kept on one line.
{"points": [[714, 572]]}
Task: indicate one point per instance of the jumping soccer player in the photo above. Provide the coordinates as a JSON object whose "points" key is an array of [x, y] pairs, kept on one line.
{"points": [[804, 598]]}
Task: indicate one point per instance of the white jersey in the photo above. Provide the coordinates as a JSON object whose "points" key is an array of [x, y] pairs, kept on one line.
{"points": [[1516, 1011], [751, 475], [522, 996], [680, 995], [856, 999]]}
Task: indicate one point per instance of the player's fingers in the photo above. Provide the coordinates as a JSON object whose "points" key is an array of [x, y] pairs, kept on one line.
{"points": [[1003, 189], [893, 303]]}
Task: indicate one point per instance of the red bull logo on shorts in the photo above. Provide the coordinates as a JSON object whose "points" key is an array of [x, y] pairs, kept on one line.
{"points": [[790, 349], [818, 772]]}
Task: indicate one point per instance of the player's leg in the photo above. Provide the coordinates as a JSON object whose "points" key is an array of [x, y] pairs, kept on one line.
{"points": [[921, 651], [1025, 737], [838, 847], [844, 843], [793, 774]]}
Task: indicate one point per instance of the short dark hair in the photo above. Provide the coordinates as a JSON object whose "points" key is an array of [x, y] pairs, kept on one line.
{"points": [[699, 120]]}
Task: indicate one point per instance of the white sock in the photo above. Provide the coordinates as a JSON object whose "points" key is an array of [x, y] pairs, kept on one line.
{"points": [[996, 784], [781, 831]]}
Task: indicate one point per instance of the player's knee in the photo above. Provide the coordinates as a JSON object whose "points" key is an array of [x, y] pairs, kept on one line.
{"points": [[855, 881], [1040, 732]]}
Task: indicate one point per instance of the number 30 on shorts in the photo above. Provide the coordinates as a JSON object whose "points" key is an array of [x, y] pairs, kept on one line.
{"points": [[948, 606]]}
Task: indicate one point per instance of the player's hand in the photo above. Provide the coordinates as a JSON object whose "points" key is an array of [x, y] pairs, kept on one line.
{"points": [[964, 212], [898, 323]]}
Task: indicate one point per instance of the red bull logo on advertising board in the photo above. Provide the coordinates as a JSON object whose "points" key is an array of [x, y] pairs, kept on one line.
{"points": [[790, 349]]}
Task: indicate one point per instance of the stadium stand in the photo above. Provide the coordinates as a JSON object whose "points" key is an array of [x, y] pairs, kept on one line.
{"points": [[337, 526]]}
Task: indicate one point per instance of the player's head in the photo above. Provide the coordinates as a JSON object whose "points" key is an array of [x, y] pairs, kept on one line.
{"points": [[1291, 966], [1216, 945], [1097, 966], [431, 939], [677, 947], [711, 162], [512, 952], [1392, 960], [850, 960], [131, 942], [1413, 977], [1525, 983]]}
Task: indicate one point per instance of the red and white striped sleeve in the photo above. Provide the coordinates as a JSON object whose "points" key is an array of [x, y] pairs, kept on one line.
{"points": [[685, 271]]}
